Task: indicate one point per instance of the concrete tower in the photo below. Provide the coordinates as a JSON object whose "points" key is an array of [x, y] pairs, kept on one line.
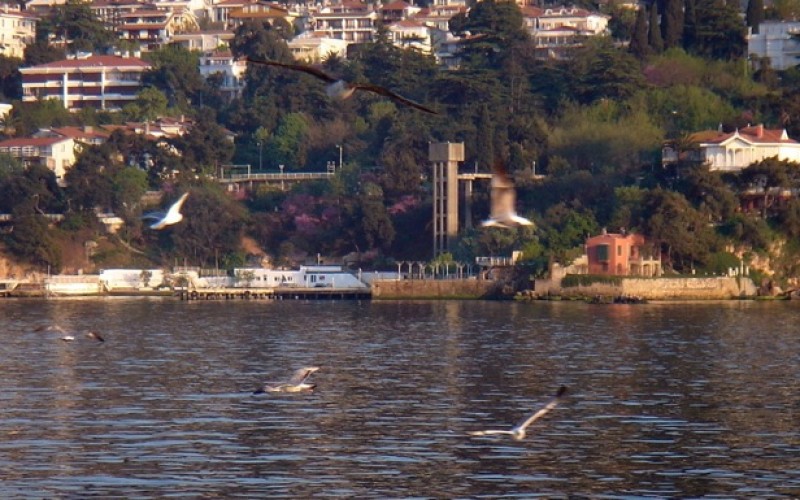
{"points": [[444, 156]]}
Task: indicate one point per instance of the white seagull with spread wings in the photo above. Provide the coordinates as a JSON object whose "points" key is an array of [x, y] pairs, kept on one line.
{"points": [[172, 216], [295, 384], [341, 89], [518, 431], [503, 199]]}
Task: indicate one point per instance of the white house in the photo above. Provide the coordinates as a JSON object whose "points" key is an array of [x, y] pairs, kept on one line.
{"points": [[777, 41], [734, 151], [56, 153], [313, 48], [221, 62], [412, 34], [17, 30]]}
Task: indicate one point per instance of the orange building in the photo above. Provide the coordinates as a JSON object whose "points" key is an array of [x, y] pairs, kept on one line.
{"points": [[621, 254]]}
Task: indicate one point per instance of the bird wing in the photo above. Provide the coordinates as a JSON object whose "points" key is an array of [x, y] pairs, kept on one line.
{"points": [[392, 95], [503, 194], [175, 209], [489, 432], [154, 215], [297, 67], [302, 374], [541, 413]]}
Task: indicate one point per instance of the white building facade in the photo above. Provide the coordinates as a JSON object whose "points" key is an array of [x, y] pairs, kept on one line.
{"points": [[734, 151], [777, 41]]}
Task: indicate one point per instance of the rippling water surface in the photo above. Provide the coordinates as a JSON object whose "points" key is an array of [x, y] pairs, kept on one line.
{"points": [[666, 400]]}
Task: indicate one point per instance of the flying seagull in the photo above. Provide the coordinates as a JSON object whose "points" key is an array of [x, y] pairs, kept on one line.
{"points": [[341, 89], [503, 199], [95, 336], [172, 216], [518, 431], [295, 384], [66, 337]]}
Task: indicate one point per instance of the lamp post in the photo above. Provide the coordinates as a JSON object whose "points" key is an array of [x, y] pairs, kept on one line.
{"points": [[260, 143], [340, 155], [281, 169]]}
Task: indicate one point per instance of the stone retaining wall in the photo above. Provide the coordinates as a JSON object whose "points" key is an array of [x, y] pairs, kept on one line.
{"points": [[669, 288], [434, 289]]}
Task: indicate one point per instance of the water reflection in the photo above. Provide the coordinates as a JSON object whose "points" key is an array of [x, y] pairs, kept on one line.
{"points": [[666, 399]]}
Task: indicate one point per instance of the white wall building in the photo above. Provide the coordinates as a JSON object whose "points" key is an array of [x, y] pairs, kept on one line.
{"points": [[734, 151], [102, 81], [17, 30], [222, 62], [776, 40], [305, 277], [314, 48]]}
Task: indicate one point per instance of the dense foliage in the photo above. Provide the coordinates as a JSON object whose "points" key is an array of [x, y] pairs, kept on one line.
{"points": [[593, 124]]}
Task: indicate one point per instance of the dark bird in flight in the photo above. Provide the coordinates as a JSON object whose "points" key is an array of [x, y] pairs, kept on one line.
{"points": [[96, 336], [340, 89]]}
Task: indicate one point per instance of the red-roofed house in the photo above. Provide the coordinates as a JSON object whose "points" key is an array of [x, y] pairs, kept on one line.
{"points": [[103, 82], [621, 255], [56, 153], [733, 151]]}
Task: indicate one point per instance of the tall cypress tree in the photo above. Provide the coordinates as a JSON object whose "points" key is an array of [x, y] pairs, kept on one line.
{"points": [[654, 39], [672, 23], [755, 14], [639, 46], [689, 25]]}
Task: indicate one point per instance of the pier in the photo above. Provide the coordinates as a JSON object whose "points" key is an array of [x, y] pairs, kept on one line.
{"points": [[282, 293]]}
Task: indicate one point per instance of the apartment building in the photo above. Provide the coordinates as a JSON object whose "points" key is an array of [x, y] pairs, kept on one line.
{"points": [[106, 82]]}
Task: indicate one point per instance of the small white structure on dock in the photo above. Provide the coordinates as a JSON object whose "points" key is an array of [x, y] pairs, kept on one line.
{"points": [[304, 277]]}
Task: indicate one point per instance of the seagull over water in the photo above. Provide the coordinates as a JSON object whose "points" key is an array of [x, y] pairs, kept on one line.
{"points": [[295, 384], [340, 89], [172, 216], [518, 431], [503, 198], [66, 337]]}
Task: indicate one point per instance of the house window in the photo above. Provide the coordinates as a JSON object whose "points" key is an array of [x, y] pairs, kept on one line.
{"points": [[602, 253], [619, 250]]}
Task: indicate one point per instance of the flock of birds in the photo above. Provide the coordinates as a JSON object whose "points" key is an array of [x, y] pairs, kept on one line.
{"points": [[298, 383], [502, 214]]}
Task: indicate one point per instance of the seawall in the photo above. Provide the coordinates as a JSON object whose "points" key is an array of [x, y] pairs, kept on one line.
{"points": [[688, 288], [435, 289]]}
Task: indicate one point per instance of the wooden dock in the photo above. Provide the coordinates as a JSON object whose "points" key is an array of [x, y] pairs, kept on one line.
{"points": [[282, 293]]}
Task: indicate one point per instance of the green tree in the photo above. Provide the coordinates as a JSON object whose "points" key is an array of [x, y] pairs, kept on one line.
{"points": [[720, 30], [32, 240], [601, 71], [175, 73], [654, 40], [205, 146], [212, 228], [75, 23], [640, 46], [149, 105], [10, 78], [689, 25], [754, 15], [672, 23], [287, 145], [682, 232], [41, 52]]}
